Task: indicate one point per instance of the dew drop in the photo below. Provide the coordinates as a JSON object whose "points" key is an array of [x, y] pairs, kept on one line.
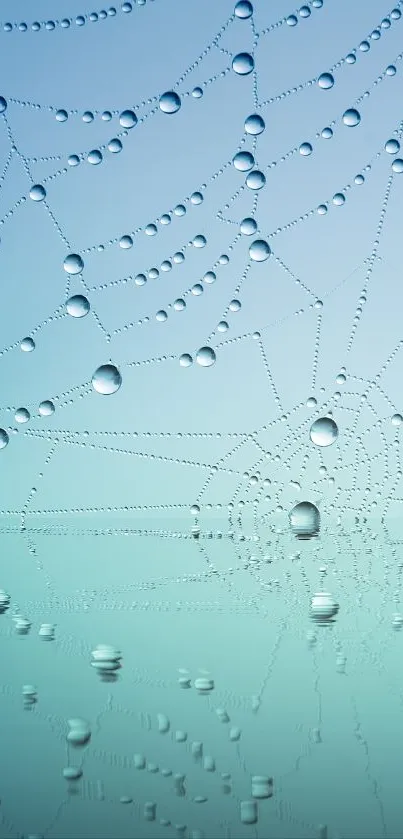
{"points": [[243, 161], [392, 146], [73, 264], [205, 357], [77, 306], [351, 117], [305, 519], [259, 250], [185, 360], [248, 226], [243, 9], [127, 119], [243, 64], [46, 408], [170, 102], [22, 415], [106, 379], [37, 192], [27, 344], [324, 432], [326, 81], [4, 438], [254, 124]]}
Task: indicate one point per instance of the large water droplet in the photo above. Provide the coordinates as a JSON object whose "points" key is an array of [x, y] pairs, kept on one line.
{"points": [[77, 306], [255, 179], [22, 415], [392, 146], [37, 192], [324, 431], [73, 263], [248, 226], [243, 63], [259, 250], [305, 520], [128, 119], [351, 117], [106, 379], [46, 408], [243, 9], [170, 102], [27, 344], [254, 124], [243, 161], [206, 357], [323, 607], [326, 81], [4, 438]]}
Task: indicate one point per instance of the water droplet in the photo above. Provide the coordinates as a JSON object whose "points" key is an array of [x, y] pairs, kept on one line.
{"points": [[243, 63], [259, 250], [126, 242], [254, 124], [338, 199], [255, 179], [88, 116], [326, 81], [37, 192], [391, 70], [243, 161], [196, 198], [62, 115], [94, 157], [323, 607], [197, 92], [4, 438], [73, 160], [27, 344], [185, 360], [72, 773], [324, 431], [397, 165], [397, 419], [392, 146], [115, 145], [248, 226], [292, 20], [243, 9], [128, 119], [77, 306], [106, 379], [3, 104], [305, 149], [46, 408], [205, 357], [327, 133], [305, 520], [22, 415], [311, 402], [73, 264], [199, 241], [170, 102], [351, 117]]}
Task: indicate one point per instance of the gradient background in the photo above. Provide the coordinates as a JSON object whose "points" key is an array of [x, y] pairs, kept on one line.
{"points": [[96, 499]]}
